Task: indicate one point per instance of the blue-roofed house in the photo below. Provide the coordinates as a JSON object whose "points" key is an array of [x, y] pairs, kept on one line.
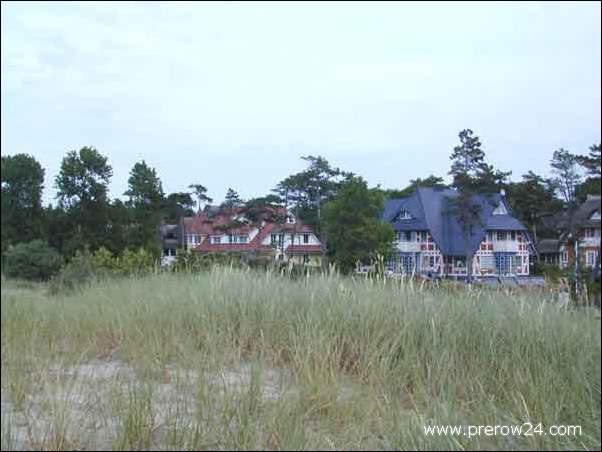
{"points": [[430, 237]]}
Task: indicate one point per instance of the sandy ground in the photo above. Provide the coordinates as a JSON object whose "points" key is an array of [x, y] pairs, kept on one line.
{"points": [[91, 402]]}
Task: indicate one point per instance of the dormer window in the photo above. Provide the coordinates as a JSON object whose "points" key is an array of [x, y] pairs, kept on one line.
{"points": [[595, 215], [290, 219], [403, 215], [500, 210]]}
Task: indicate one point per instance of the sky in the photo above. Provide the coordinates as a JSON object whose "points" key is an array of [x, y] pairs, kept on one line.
{"points": [[233, 94]]}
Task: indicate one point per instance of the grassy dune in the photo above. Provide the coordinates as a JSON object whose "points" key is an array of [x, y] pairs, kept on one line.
{"points": [[245, 360]]}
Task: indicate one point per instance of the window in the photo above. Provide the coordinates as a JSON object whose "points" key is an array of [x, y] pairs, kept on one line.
{"points": [[590, 258], [193, 239], [431, 261], [500, 210], [423, 236], [513, 235], [407, 263], [489, 236], [501, 236], [305, 238], [404, 236], [487, 262], [403, 215], [305, 258], [588, 233], [277, 239], [243, 238], [565, 257], [216, 239]]}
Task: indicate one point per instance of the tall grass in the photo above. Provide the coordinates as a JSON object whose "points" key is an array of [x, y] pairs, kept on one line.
{"points": [[365, 363]]}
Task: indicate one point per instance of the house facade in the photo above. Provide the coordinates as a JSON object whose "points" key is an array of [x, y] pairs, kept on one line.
{"points": [[582, 243], [274, 234], [430, 240]]}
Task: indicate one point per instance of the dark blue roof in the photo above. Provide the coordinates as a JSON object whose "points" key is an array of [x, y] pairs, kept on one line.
{"points": [[431, 210]]}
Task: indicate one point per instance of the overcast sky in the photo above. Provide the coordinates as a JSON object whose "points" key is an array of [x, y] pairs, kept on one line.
{"points": [[232, 94]]}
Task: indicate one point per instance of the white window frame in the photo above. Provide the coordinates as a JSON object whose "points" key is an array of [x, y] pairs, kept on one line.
{"points": [[590, 258], [500, 209], [404, 215]]}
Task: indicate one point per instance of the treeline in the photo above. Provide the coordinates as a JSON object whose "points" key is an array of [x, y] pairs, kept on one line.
{"points": [[340, 206]]}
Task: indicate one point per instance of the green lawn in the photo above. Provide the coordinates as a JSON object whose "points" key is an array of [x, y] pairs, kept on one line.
{"points": [[245, 360]]}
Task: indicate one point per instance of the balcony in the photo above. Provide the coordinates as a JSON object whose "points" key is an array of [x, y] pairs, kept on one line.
{"points": [[408, 247], [506, 246]]}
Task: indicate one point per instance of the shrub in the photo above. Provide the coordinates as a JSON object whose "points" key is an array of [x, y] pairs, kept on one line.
{"points": [[80, 272], [34, 261]]}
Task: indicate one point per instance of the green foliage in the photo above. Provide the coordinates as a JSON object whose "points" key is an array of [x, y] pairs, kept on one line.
{"points": [[200, 191], [566, 174], [86, 268], [22, 181], [468, 161], [232, 199], [33, 260], [83, 178], [145, 202], [80, 272], [82, 185], [144, 188], [552, 272], [431, 181], [532, 199], [352, 221], [591, 164], [177, 205], [191, 262]]}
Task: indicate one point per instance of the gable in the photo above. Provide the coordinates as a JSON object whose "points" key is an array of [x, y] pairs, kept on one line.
{"points": [[500, 210]]}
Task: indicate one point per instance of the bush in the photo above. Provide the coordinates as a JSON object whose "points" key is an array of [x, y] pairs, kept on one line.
{"points": [[80, 272], [550, 271], [34, 261], [86, 268]]}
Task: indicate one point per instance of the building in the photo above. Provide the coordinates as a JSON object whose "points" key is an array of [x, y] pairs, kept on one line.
{"points": [[578, 235], [274, 234], [430, 239]]}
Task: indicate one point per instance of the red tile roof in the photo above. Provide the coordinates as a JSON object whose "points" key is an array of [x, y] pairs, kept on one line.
{"points": [[309, 249], [218, 224]]}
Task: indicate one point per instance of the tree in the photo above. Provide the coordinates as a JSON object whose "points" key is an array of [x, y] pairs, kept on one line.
{"points": [[232, 199], [82, 185], [308, 190], [177, 205], [22, 184], [431, 181], [267, 208], [352, 221], [146, 198], [468, 164], [566, 174], [532, 199], [33, 260], [145, 191], [591, 164], [491, 180], [200, 191]]}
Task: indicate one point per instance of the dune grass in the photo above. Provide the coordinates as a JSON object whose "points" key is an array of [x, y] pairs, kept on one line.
{"points": [[234, 359]]}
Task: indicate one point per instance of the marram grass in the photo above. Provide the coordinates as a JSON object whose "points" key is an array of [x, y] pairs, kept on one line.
{"points": [[232, 359]]}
